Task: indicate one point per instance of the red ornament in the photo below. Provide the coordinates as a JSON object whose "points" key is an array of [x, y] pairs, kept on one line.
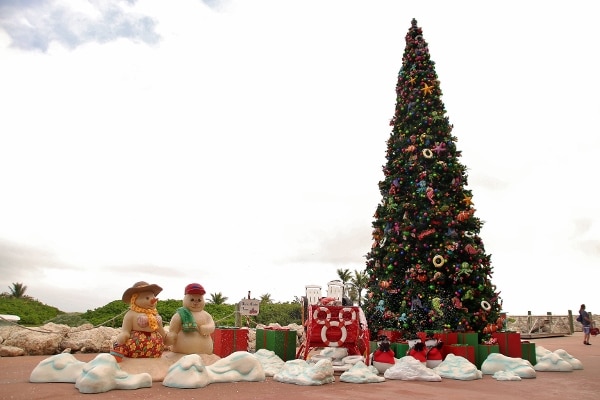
{"points": [[470, 249], [463, 216]]}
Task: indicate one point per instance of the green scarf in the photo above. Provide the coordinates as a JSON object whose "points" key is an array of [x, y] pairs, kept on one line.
{"points": [[188, 323]]}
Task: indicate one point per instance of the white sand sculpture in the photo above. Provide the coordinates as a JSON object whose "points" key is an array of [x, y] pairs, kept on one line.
{"points": [[457, 367], [506, 376], [361, 373], [575, 363], [103, 374], [60, 368], [189, 372], [300, 372], [557, 361], [512, 366], [409, 368], [270, 361]]}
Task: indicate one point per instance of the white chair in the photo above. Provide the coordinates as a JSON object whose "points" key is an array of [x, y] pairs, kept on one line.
{"points": [[335, 289], [313, 294]]}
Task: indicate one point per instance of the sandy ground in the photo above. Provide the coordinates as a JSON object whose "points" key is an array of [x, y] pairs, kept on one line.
{"points": [[579, 384]]}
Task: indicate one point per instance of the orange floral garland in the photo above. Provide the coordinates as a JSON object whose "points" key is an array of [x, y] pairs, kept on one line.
{"points": [[150, 312]]}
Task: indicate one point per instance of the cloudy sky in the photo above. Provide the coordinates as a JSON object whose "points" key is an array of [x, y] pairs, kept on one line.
{"points": [[239, 143]]}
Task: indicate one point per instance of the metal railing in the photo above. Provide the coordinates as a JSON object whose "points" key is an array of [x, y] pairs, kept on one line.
{"points": [[544, 325]]}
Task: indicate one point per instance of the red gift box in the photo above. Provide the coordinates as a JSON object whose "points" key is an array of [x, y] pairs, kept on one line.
{"points": [[393, 336], [461, 350], [509, 343], [446, 337], [228, 340]]}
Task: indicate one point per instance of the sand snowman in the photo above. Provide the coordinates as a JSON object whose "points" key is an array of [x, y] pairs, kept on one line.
{"points": [[142, 331], [191, 326]]}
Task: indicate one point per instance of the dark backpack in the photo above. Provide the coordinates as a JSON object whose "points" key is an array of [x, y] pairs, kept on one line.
{"points": [[579, 319]]}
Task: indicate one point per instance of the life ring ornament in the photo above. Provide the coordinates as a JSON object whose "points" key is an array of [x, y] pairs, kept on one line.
{"points": [[329, 343], [486, 306], [427, 153], [322, 321], [438, 261], [352, 315]]}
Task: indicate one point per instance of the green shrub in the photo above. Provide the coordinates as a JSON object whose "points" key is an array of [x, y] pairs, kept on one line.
{"points": [[110, 315], [31, 311], [281, 313], [223, 314], [69, 319]]}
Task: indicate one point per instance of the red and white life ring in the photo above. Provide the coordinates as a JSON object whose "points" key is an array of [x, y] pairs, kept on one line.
{"points": [[352, 315], [329, 343], [486, 306], [322, 321]]}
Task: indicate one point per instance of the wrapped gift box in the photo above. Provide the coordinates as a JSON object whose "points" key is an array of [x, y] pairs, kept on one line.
{"points": [[280, 340], [392, 335], [528, 352], [447, 337], [463, 350], [510, 343], [482, 351], [373, 346], [400, 349], [227, 340], [470, 338]]}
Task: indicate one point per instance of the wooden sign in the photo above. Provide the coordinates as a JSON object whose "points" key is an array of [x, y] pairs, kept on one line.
{"points": [[249, 307]]}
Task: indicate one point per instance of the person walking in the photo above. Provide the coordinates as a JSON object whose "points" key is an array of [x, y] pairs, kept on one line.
{"points": [[585, 323]]}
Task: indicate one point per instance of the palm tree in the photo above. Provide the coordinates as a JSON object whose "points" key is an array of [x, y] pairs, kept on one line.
{"points": [[217, 298], [360, 281], [17, 290], [352, 293], [266, 298], [345, 276]]}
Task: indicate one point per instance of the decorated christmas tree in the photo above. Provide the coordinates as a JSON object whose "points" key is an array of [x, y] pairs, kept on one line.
{"points": [[427, 265]]}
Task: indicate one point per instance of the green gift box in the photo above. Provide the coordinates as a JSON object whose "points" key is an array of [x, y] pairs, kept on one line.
{"points": [[482, 351], [470, 338], [373, 346], [528, 350], [282, 341], [400, 349]]}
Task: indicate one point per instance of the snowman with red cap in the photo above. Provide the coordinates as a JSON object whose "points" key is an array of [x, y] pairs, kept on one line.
{"points": [[191, 326]]}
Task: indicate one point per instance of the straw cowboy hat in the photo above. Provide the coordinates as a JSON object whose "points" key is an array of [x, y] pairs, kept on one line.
{"points": [[139, 287]]}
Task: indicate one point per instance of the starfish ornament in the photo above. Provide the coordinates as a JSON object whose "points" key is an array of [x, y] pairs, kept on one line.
{"points": [[427, 89], [467, 200]]}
